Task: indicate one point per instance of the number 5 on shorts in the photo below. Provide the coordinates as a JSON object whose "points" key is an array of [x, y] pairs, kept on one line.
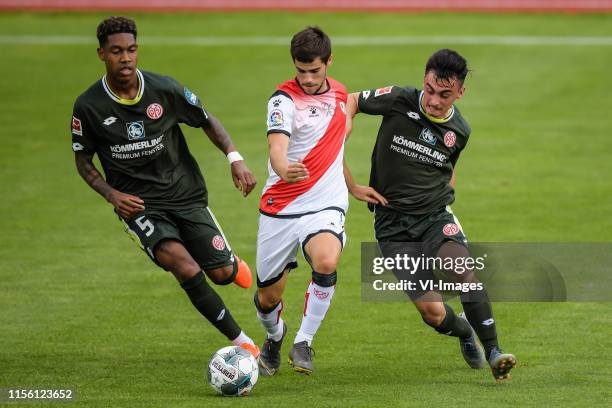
{"points": [[145, 225]]}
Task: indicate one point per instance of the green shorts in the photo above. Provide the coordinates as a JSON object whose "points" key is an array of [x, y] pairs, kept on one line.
{"points": [[416, 236], [432, 229], [196, 228]]}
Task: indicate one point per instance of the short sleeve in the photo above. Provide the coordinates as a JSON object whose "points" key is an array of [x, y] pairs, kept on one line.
{"points": [[281, 110], [189, 108], [82, 136], [378, 101]]}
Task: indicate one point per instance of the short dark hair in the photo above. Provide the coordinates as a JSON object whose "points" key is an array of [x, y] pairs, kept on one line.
{"points": [[309, 44], [114, 25], [447, 64]]}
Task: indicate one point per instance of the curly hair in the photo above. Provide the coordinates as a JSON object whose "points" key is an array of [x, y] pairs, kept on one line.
{"points": [[114, 25]]}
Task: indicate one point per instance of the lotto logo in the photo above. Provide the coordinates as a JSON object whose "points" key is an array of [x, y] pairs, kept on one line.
{"points": [[488, 322], [155, 111], [218, 243], [450, 229]]}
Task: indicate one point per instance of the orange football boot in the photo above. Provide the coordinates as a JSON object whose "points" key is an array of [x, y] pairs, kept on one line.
{"points": [[244, 278]]}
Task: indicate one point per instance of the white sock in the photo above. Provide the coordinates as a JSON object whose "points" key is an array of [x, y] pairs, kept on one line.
{"points": [[316, 303], [241, 339], [272, 322]]}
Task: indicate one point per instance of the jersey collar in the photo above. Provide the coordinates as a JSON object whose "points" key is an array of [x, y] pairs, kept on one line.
{"points": [[431, 118], [117, 98]]}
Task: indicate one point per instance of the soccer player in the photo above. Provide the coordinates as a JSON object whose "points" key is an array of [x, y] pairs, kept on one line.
{"points": [[130, 119], [419, 141], [305, 198]]}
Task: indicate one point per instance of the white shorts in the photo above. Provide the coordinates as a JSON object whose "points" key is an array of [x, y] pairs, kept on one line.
{"points": [[278, 240]]}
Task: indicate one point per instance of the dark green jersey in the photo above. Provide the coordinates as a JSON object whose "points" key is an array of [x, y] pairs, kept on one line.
{"points": [[414, 156], [139, 142]]}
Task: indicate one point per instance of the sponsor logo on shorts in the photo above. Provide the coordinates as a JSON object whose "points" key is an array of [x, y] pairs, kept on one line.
{"points": [[276, 118], [76, 147], [218, 243], [365, 94], [76, 126], [383, 91], [320, 294], [155, 111], [450, 229], [191, 97], [135, 130], [427, 136], [450, 138]]}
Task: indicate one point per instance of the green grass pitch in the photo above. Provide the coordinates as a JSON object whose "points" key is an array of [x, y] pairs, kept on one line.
{"points": [[81, 307]]}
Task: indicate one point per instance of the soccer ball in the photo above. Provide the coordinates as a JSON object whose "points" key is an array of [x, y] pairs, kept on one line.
{"points": [[233, 371]]}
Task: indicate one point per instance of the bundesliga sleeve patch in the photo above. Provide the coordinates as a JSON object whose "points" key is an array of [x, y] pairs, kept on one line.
{"points": [[383, 91], [191, 97], [76, 126]]}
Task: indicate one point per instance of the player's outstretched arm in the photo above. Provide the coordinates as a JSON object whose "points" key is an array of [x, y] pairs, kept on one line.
{"points": [[293, 172], [243, 178], [362, 193], [126, 205]]}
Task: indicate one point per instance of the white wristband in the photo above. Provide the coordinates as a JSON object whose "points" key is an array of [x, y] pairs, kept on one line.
{"points": [[234, 156]]}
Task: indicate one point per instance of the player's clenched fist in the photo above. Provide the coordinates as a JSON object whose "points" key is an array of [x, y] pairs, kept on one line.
{"points": [[296, 171]]}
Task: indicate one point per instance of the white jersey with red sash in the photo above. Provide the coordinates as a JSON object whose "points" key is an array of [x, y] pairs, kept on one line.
{"points": [[316, 127]]}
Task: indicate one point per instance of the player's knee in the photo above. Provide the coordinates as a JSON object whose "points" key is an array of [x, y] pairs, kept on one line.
{"points": [[433, 316], [325, 264], [220, 275], [266, 300]]}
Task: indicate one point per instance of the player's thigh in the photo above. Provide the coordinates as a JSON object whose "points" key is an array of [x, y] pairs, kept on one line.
{"points": [[149, 228], [442, 226], [398, 237], [391, 226], [322, 237], [277, 245], [203, 238]]}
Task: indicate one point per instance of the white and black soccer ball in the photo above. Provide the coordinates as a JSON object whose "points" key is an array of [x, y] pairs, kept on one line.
{"points": [[233, 371]]}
